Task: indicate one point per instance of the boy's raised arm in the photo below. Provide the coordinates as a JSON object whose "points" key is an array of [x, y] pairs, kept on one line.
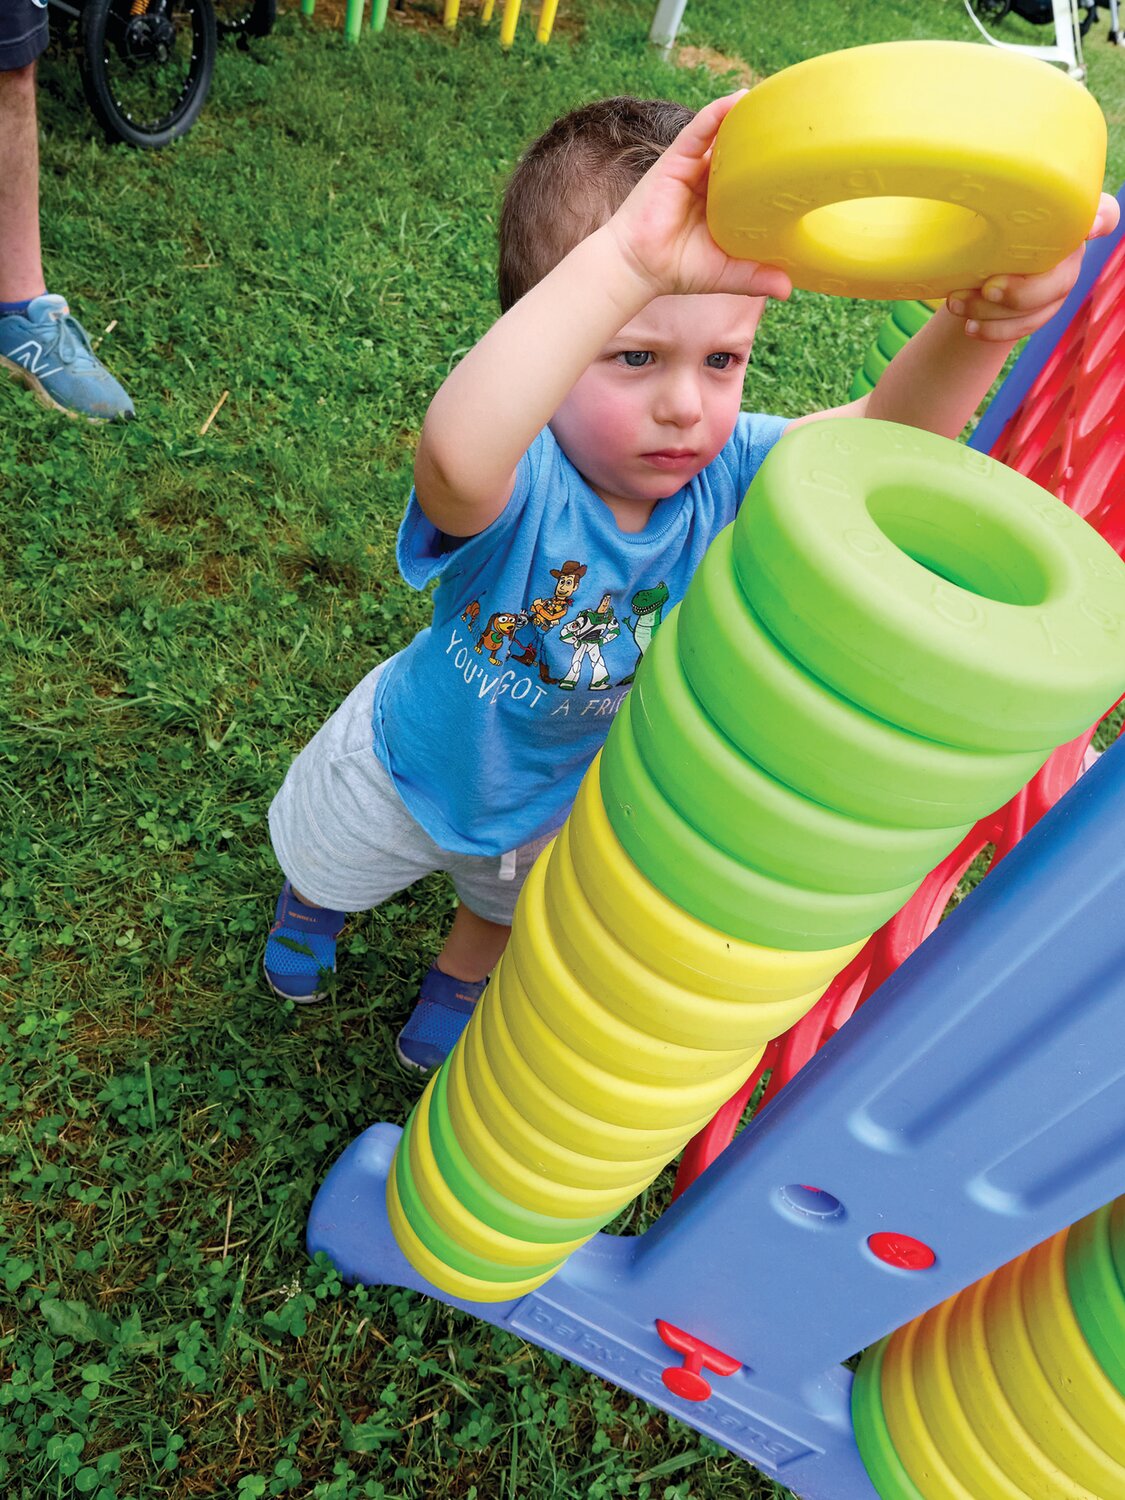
{"points": [[938, 378], [509, 385], [507, 388]]}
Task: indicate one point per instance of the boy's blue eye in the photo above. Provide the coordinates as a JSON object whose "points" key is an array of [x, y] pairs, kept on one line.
{"points": [[636, 359], [718, 361]]}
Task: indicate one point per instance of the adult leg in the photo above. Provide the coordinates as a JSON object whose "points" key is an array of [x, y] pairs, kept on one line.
{"points": [[21, 264], [41, 343]]}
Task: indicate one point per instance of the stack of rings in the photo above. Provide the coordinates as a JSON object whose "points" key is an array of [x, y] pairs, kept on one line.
{"points": [[884, 647], [898, 328], [1014, 1387]]}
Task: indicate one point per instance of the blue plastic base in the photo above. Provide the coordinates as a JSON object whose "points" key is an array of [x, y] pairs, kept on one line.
{"points": [[975, 1103], [589, 1314]]}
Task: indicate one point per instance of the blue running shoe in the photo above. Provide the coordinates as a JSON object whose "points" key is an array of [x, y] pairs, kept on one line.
{"points": [[441, 1015], [301, 948], [50, 352]]}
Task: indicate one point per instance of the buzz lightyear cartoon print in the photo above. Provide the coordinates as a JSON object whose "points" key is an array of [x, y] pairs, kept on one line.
{"points": [[587, 633]]}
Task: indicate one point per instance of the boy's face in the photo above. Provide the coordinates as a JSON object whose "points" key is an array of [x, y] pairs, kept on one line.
{"points": [[660, 401]]}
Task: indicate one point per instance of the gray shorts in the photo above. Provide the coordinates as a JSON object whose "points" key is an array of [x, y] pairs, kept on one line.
{"points": [[344, 837]]}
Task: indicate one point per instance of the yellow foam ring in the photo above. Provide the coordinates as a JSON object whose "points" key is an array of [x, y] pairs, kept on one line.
{"points": [[1077, 1379], [936, 1434], [927, 1464], [667, 939], [598, 1089], [542, 1153], [908, 169], [614, 999], [445, 1278], [463, 1227], [974, 1349], [526, 1187], [529, 1098], [1069, 1409]]}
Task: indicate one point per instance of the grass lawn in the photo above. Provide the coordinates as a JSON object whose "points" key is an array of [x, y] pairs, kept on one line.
{"points": [[179, 611]]}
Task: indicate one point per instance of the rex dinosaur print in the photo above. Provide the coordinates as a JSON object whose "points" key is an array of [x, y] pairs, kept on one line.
{"points": [[648, 605]]}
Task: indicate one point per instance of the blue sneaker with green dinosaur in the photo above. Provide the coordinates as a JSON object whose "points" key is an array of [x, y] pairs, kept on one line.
{"points": [[47, 348]]}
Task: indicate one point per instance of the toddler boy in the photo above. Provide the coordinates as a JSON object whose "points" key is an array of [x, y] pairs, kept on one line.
{"points": [[571, 472]]}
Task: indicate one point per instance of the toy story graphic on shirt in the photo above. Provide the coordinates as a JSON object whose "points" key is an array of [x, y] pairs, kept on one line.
{"points": [[588, 632], [500, 628], [471, 613], [546, 613], [648, 605], [585, 632]]}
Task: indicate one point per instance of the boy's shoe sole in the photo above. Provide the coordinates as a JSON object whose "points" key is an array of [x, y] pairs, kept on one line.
{"points": [[281, 994]]}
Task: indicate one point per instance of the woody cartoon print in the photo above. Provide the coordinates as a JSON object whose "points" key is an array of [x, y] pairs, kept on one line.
{"points": [[586, 633]]}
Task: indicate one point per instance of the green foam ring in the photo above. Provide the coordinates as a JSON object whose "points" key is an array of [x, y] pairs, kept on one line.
{"points": [[1096, 1294], [482, 1200], [435, 1239], [873, 1439], [751, 814], [810, 737], [909, 316], [952, 594], [900, 325], [716, 887], [1117, 1237]]}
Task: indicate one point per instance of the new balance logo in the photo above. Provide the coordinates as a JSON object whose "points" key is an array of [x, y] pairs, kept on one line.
{"points": [[30, 355]]}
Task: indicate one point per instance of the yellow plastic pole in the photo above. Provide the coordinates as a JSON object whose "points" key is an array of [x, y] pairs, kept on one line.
{"points": [[486, 11], [546, 20], [450, 14], [508, 22]]}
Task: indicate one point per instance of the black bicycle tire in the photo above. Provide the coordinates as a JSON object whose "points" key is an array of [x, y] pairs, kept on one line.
{"points": [[100, 93]]}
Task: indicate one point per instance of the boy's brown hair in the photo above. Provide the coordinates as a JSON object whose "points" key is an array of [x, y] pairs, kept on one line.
{"points": [[575, 177]]}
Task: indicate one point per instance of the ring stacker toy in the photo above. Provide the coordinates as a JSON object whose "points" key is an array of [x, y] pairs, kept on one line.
{"points": [[954, 601], [908, 169], [750, 1291]]}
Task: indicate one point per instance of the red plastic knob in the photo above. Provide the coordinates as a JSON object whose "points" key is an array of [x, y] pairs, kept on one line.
{"points": [[902, 1250], [686, 1380]]}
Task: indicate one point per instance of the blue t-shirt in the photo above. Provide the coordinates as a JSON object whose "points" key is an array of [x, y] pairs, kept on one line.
{"points": [[489, 719]]}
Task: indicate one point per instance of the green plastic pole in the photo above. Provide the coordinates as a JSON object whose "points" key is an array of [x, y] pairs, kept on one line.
{"points": [[353, 20], [378, 15]]}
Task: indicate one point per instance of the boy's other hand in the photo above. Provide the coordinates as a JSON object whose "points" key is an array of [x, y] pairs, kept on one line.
{"points": [[1008, 307], [661, 228]]}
